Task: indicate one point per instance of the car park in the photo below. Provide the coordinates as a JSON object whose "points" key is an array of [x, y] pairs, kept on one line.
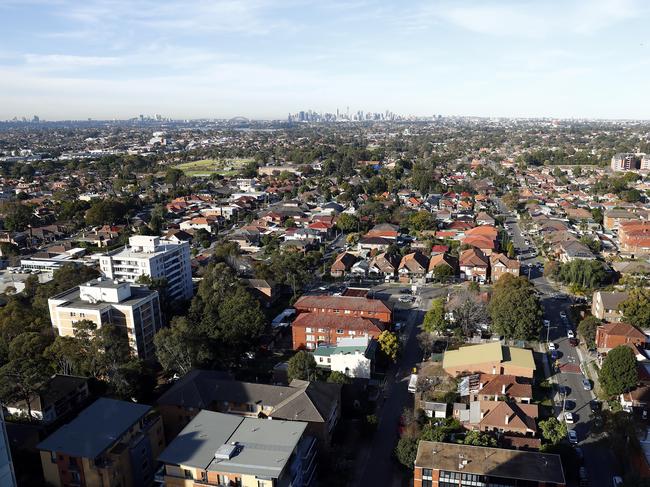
{"points": [[573, 437]]}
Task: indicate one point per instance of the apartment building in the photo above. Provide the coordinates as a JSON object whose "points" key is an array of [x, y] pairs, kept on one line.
{"points": [[7, 476], [489, 358], [625, 162], [315, 403], [634, 237], [350, 356], [604, 305], [451, 464], [155, 257], [611, 335], [222, 449], [103, 301], [110, 443]]}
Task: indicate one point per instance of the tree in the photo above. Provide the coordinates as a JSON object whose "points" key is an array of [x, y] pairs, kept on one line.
{"points": [[388, 344], [442, 272], [553, 430], [17, 216], [66, 356], [301, 366], [422, 220], [510, 250], [106, 212], [347, 223], [477, 438], [619, 372], [585, 273], [468, 311], [587, 329], [173, 176], [406, 451], [337, 377], [434, 319], [511, 200], [179, 349], [636, 308], [515, 309]]}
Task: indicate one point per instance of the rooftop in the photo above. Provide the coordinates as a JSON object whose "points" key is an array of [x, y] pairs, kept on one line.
{"points": [[489, 352], [494, 462], [96, 429]]}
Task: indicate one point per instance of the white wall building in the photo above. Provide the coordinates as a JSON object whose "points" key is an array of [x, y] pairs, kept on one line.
{"points": [[103, 301], [154, 257], [350, 356]]}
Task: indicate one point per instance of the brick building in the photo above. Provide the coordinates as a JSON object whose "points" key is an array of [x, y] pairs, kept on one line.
{"points": [[611, 335]]}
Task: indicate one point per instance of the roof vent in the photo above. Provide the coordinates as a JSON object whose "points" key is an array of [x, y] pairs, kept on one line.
{"points": [[226, 451]]}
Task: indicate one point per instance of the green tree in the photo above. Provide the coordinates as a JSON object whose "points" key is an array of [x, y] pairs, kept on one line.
{"points": [[337, 377], [388, 344], [434, 320], [406, 451], [511, 200], [619, 372], [553, 430], [179, 348], [173, 176], [422, 220], [301, 366], [347, 223], [511, 250], [515, 309], [17, 216], [442, 272], [636, 308], [106, 212], [477, 438], [587, 329]]}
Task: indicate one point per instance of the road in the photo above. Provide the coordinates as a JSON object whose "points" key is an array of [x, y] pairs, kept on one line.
{"points": [[598, 458], [378, 464]]}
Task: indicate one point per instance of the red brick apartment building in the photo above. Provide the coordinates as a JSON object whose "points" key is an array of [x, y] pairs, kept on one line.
{"points": [[611, 335], [450, 465], [326, 319], [634, 237]]}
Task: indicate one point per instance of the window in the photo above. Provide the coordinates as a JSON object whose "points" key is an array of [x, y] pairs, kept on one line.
{"points": [[310, 338], [339, 331], [188, 474], [53, 456], [308, 330], [329, 360], [351, 332]]}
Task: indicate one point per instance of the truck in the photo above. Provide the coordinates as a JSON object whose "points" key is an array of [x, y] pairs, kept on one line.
{"points": [[413, 383]]}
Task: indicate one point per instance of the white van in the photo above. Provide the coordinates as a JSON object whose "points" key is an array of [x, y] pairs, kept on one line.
{"points": [[413, 383]]}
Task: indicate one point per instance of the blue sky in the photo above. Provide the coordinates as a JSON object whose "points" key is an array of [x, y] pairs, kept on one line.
{"points": [[65, 59]]}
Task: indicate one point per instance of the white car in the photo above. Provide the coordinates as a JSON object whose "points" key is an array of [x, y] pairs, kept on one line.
{"points": [[570, 334], [568, 417], [552, 346]]}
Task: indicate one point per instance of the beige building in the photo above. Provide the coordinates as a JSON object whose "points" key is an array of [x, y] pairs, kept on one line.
{"points": [[604, 305], [103, 301], [489, 358], [111, 443]]}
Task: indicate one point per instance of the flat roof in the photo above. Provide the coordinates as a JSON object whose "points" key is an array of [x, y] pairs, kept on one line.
{"points": [[493, 462], [96, 429], [263, 446], [489, 352]]}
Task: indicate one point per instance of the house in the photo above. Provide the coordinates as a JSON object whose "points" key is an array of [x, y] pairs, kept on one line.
{"points": [[636, 398], [315, 403], [451, 464], [439, 261], [351, 356], [500, 264], [489, 358], [384, 264], [379, 244], [604, 305], [266, 292], [110, 439], [437, 410], [199, 223], [384, 230], [498, 416], [342, 264], [178, 236], [482, 218], [568, 251], [221, 449], [413, 266], [474, 265], [611, 335], [634, 237], [62, 395], [494, 387]]}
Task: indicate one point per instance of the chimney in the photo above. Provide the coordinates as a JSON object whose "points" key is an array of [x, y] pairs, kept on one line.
{"points": [[507, 418], [480, 386], [503, 389]]}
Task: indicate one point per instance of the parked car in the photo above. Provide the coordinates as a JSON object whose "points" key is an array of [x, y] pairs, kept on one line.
{"points": [[563, 315], [586, 384], [570, 334], [573, 437], [552, 346], [555, 354], [573, 342], [568, 417], [595, 406]]}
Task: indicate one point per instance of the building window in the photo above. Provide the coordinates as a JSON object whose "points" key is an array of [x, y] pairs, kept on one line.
{"points": [[339, 331], [53, 456], [188, 474], [308, 330]]}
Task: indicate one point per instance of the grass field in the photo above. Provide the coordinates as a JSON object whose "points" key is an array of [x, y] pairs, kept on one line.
{"points": [[208, 167]]}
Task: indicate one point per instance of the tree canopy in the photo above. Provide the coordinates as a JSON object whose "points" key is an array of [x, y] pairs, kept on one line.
{"points": [[636, 308], [619, 372], [515, 309]]}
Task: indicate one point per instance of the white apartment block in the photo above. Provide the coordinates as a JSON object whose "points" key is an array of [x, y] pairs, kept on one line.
{"points": [[154, 257], [625, 162], [103, 301]]}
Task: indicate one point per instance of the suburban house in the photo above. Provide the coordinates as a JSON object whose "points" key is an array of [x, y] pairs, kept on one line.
{"points": [[199, 223], [611, 335], [413, 266], [384, 230], [110, 443], [439, 261], [379, 244], [500, 264], [489, 358], [351, 356], [315, 403], [498, 416], [570, 250], [61, 396], [451, 464], [343, 264], [474, 265], [604, 305], [491, 387], [384, 264], [221, 449]]}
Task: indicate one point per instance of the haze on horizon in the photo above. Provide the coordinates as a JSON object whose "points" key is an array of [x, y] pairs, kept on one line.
{"points": [[104, 59]]}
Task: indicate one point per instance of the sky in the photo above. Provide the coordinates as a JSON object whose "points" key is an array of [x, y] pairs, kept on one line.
{"points": [[105, 59]]}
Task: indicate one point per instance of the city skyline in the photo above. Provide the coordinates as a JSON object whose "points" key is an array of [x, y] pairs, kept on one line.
{"points": [[111, 59]]}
